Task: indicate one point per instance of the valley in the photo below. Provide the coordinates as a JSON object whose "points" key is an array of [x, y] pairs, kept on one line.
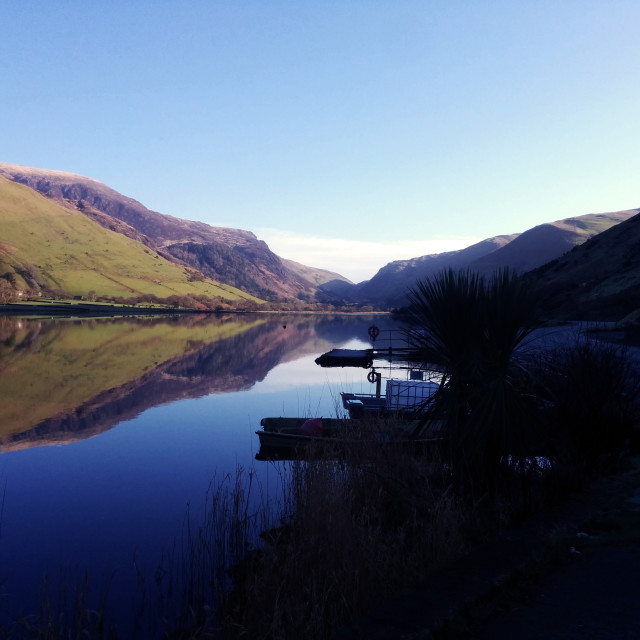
{"points": [[68, 236]]}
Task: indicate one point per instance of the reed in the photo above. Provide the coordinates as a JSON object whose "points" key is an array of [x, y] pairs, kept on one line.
{"points": [[355, 529], [195, 574]]}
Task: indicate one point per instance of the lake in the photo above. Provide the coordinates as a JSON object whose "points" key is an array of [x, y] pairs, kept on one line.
{"points": [[112, 428]]}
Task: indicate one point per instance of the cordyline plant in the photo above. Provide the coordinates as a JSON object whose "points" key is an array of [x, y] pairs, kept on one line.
{"points": [[474, 330]]}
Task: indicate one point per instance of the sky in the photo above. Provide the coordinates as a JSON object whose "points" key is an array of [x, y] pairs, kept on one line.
{"points": [[344, 133]]}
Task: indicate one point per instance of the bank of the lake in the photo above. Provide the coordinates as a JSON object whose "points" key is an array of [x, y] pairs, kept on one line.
{"points": [[58, 308], [569, 572], [84, 309]]}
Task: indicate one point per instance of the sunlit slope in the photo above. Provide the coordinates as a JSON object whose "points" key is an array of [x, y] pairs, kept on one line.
{"points": [[42, 376], [47, 245]]}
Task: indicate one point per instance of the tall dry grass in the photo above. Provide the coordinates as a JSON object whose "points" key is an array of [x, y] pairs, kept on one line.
{"points": [[356, 527], [194, 575]]}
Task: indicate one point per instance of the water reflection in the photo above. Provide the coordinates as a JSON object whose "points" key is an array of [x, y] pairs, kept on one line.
{"points": [[172, 402], [64, 380]]}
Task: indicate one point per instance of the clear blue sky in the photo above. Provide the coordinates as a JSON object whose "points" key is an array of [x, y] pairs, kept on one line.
{"points": [[344, 133]]}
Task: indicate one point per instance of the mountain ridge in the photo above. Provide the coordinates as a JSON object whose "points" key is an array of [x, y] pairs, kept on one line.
{"points": [[597, 280], [254, 267], [50, 249], [237, 258], [519, 252]]}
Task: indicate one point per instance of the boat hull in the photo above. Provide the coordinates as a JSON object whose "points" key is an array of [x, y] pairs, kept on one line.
{"points": [[282, 438]]}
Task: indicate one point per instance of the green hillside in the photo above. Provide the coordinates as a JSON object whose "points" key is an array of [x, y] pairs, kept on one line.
{"points": [[44, 246]]}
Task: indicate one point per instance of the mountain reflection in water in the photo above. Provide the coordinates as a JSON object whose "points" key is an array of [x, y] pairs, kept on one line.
{"points": [[63, 380]]}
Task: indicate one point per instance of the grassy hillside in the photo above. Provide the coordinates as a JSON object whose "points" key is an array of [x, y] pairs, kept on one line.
{"points": [[235, 257], [546, 242], [47, 246], [599, 279]]}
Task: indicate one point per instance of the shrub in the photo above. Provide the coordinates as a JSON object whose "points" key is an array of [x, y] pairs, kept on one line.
{"points": [[595, 390], [474, 331], [355, 530]]}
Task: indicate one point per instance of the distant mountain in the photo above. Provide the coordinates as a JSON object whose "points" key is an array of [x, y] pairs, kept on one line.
{"points": [[232, 256], [49, 249], [599, 279], [236, 258], [389, 286], [519, 252], [547, 242]]}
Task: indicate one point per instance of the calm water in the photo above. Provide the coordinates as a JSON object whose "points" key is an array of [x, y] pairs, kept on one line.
{"points": [[109, 428]]}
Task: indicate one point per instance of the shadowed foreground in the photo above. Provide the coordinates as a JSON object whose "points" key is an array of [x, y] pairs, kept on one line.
{"points": [[570, 572]]}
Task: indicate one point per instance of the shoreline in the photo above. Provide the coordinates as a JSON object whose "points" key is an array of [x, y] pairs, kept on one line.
{"points": [[83, 309]]}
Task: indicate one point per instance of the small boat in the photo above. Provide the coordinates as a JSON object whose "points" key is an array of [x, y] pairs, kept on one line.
{"points": [[295, 432], [292, 439], [403, 398], [346, 358], [357, 404], [287, 438]]}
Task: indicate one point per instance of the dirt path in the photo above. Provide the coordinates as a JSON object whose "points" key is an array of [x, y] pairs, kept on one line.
{"points": [[592, 596], [546, 580]]}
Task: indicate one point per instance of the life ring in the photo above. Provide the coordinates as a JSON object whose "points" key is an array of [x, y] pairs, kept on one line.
{"points": [[374, 332], [372, 376]]}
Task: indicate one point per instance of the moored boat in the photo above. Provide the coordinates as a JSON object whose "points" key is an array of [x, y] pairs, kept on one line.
{"points": [[402, 398], [346, 358], [291, 437], [293, 432]]}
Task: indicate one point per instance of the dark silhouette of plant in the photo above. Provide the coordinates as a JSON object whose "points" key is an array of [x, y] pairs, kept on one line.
{"points": [[595, 390], [475, 330]]}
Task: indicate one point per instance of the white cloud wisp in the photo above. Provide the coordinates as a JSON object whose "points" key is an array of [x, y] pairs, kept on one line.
{"points": [[357, 260]]}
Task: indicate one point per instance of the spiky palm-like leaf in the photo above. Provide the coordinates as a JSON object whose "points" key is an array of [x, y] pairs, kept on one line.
{"points": [[474, 330]]}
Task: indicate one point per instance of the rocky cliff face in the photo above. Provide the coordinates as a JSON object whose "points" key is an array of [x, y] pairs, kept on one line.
{"points": [[232, 256]]}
